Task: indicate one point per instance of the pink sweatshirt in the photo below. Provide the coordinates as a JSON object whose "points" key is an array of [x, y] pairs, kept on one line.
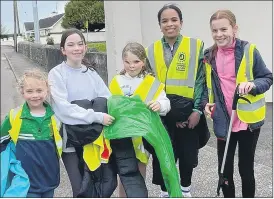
{"points": [[225, 61]]}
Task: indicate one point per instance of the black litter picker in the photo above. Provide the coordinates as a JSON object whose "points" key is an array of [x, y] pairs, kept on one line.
{"points": [[223, 182]]}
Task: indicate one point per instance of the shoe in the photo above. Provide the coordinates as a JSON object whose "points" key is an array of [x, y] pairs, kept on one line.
{"points": [[164, 194], [186, 192]]}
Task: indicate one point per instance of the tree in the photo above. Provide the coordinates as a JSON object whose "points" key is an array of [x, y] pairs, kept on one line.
{"points": [[78, 12]]}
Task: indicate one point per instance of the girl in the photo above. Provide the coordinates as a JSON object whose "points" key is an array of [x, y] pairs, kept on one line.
{"points": [[129, 82], [71, 81], [32, 127], [177, 62], [231, 61]]}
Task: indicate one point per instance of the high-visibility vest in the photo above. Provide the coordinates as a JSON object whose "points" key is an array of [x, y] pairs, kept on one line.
{"points": [[149, 89], [97, 152], [16, 123], [179, 78], [248, 113]]}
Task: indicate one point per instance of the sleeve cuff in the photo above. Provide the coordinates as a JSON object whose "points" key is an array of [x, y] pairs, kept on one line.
{"points": [[196, 110]]}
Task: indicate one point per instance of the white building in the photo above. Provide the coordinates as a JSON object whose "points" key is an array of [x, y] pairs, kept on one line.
{"points": [[51, 24], [137, 21]]}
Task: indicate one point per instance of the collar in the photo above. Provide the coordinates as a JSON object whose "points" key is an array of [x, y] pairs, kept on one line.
{"points": [[177, 41], [26, 111]]}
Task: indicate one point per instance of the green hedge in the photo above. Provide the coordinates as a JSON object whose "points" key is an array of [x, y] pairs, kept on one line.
{"points": [[100, 46]]}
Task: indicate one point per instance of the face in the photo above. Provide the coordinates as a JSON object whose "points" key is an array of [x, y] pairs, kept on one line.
{"points": [[74, 48], [222, 32], [34, 92], [132, 64], [170, 23]]}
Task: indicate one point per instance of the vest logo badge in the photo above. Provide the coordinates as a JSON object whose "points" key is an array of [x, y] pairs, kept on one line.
{"points": [[181, 66]]}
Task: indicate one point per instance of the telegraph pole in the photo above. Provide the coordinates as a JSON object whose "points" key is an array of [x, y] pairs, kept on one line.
{"points": [[17, 18], [36, 22], [14, 31]]}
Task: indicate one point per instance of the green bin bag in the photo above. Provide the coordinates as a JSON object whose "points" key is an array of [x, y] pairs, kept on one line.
{"points": [[133, 119]]}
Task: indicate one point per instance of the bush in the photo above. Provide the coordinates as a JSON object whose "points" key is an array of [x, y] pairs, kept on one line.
{"points": [[100, 46], [31, 39], [50, 41]]}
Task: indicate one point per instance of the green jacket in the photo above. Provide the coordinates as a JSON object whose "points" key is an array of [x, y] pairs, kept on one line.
{"points": [[32, 128], [200, 78]]}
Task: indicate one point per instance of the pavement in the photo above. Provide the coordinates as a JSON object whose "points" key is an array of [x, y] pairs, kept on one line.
{"points": [[205, 178]]}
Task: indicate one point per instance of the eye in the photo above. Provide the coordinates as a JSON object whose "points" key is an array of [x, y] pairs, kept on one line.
{"points": [[29, 91], [136, 61]]}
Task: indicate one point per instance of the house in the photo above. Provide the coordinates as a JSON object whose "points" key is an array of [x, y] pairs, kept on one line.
{"points": [[51, 24]]}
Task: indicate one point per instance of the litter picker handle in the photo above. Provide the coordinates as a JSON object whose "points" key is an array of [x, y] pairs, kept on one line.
{"points": [[236, 97]]}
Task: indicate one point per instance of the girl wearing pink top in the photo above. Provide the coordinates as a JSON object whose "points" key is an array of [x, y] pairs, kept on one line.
{"points": [[225, 57]]}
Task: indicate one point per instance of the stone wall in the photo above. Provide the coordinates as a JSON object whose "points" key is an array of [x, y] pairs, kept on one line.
{"points": [[49, 56]]}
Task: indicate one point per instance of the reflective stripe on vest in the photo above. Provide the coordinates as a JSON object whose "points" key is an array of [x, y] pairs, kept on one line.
{"points": [[256, 111], [16, 122], [180, 76], [149, 89]]}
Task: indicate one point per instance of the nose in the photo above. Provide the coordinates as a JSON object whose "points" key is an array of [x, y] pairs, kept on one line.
{"points": [[218, 33], [169, 23]]}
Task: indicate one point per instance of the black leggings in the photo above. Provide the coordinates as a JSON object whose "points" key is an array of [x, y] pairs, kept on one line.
{"points": [[185, 146], [247, 145], [71, 162]]}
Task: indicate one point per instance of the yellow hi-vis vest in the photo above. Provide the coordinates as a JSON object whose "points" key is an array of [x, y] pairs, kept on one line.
{"points": [[93, 153], [149, 89], [179, 78], [248, 113], [16, 123]]}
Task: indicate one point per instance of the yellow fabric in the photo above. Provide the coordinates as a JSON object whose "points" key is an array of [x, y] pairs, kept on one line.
{"points": [[172, 72], [258, 115], [249, 117], [16, 123], [92, 153], [142, 90], [208, 83], [57, 136]]}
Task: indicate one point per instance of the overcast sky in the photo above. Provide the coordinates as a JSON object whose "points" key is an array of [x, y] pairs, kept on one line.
{"points": [[25, 10]]}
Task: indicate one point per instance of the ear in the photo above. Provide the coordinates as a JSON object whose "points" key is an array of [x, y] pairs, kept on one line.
{"points": [[235, 29], [63, 51], [181, 24], [86, 49]]}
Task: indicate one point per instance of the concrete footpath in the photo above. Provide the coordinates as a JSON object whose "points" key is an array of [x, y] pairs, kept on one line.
{"points": [[205, 178]]}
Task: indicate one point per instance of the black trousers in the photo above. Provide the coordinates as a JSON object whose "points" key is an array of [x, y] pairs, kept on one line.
{"points": [[126, 164], [123, 162], [185, 147], [247, 141]]}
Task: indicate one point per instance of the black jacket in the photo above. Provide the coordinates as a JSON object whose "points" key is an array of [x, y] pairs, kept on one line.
{"points": [[181, 108], [82, 134]]}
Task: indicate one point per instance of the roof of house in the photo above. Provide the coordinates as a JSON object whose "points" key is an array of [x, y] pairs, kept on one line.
{"points": [[44, 23]]}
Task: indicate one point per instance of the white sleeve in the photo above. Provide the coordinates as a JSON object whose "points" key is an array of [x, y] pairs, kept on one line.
{"points": [[69, 113], [103, 91], [164, 102]]}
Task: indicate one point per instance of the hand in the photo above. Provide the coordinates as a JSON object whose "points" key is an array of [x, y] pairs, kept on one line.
{"points": [[245, 87], [154, 106], [181, 124], [209, 108], [108, 119], [193, 119]]}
